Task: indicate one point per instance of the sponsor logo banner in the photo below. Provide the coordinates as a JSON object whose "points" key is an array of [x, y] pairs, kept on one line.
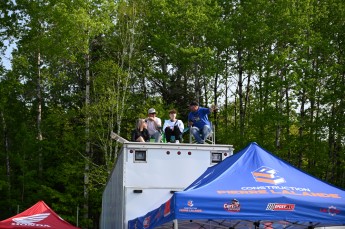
{"points": [[167, 208], [190, 207], [234, 206], [280, 207], [146, 222], [271, 176], [267, 175], [332, 210], [31, 221], [284, 192]]}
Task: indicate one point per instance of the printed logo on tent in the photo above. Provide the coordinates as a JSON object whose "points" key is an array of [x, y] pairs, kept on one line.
{"points": [[190, 203], [167, 208], [158, 214], [267, 175], [234, 206], [330, 210], [280, 207], [190, 207], [31, 220], [146, 222]]}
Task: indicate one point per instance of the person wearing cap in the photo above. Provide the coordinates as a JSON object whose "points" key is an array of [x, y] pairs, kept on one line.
{"points": [[154, 125], [198, 121], [173, 127]]}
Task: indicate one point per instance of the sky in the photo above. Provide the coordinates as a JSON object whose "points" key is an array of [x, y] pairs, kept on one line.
{"points": [[6, 59]]}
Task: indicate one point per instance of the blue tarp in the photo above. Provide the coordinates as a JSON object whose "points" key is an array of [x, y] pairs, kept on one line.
{"points": [[251, 189]]}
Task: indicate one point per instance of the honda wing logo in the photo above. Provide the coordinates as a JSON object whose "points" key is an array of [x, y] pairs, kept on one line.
{"points": [[31, 220]]}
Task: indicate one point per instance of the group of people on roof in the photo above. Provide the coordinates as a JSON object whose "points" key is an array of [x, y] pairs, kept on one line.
{"points": [[151, 127]]}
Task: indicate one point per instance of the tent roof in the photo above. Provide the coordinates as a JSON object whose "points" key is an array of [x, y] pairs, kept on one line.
{"points": [[37, 216], [252, 187]]}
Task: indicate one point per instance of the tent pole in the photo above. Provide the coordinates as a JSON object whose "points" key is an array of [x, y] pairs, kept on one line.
{"points": [[175, 224]]}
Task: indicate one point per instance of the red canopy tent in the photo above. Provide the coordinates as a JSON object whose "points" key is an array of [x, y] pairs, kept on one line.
{"points": [[38, 216]]}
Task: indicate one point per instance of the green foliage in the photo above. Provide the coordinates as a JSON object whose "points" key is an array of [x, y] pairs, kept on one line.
{"points": [[274, 68]]}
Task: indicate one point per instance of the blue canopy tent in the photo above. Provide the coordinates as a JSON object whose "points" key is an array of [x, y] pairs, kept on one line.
{"points": [[251, 189]]}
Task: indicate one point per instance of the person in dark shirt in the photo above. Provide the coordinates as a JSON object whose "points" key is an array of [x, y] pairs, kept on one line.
{"points": [[140, 133]]}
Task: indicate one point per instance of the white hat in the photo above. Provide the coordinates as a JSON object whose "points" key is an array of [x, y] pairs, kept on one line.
{"points": [[151, 111]]}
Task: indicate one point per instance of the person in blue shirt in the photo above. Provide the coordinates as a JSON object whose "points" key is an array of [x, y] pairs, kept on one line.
{"points": [[198, 122]]}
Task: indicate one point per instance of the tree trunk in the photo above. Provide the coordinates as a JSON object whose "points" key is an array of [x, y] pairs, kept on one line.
{"points": [[301, 128], [226, 105], [39, 116], [246, 114], [280, 111], [87, 138], [288, 135], [6, 149], [331, 140], [240, 92], [197, 83], [215, 91]]}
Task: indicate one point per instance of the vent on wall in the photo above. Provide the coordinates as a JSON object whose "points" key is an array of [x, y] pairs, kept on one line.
{"points": [[216, 157], [140, 156]]}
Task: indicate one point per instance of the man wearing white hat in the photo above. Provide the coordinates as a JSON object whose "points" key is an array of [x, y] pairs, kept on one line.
{"points": [[154, 125]]}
